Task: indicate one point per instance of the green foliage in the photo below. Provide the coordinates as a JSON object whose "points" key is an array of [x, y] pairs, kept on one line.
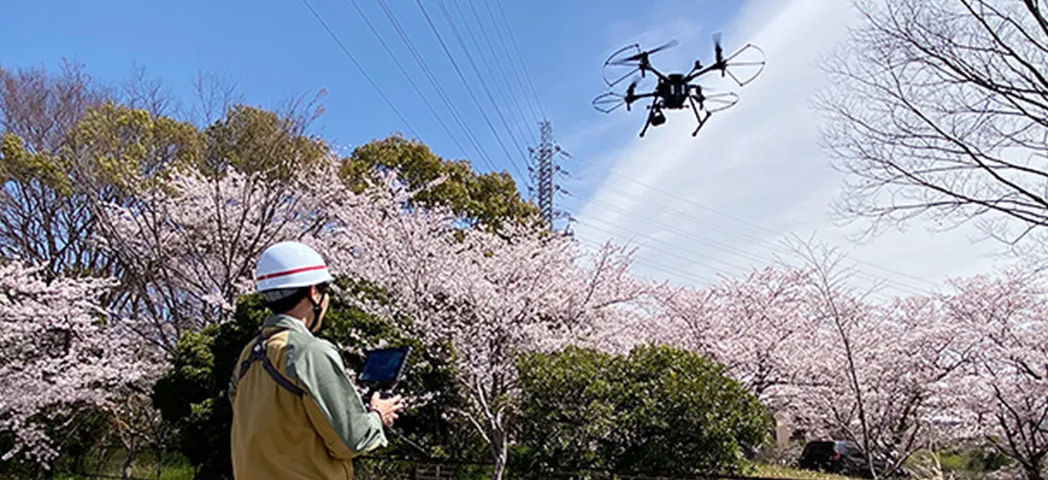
{"points": [[787, 473], [973, 460], [253, 140], [128, 149], [51, 193], [19, 165], [193, 395], [109, 464], [656, 410], [488, 199]]}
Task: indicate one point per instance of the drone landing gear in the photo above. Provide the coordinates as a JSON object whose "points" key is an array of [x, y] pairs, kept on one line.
{"points": [[698, 116], [655, 116], [647, 123]]}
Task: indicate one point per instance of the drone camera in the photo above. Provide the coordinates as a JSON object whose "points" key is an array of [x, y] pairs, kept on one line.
{"points": [[657, 118]]}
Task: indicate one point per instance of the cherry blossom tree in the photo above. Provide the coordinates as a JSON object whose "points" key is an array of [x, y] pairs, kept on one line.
{"points": [[758, 326], [487, 296], [810, 346], [188, 249], [61, 353], [1005, 394], [881, 372]]}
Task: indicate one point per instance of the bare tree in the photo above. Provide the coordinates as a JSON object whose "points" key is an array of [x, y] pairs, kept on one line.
{"points": [[140, 91], [214, 96], [41, 220], [939, 108], [41, 107]]}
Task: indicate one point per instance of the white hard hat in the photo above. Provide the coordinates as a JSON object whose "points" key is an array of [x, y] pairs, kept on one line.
{"points": [[288, 265]]}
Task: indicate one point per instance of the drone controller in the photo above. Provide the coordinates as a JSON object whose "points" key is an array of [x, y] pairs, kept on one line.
{"points": [[383, 369]]}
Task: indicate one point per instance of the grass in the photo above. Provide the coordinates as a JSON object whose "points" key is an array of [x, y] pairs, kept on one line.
{"points": [[175, 467], [778, 471]]}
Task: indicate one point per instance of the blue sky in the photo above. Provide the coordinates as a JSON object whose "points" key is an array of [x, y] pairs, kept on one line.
{"points": [[696, 207], [276, 49]]}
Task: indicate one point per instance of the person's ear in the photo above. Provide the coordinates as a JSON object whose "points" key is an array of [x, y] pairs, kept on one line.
{"points": [[315, 294]]}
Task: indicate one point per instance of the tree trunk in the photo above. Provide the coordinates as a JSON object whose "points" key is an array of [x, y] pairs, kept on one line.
{"points": [[159, 461], [129, 459], [44, 473], [499, 450], [499, 470], [1033, 472]]}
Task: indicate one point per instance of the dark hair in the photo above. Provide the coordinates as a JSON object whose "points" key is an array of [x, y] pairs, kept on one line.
{"points": [[284, 300]]}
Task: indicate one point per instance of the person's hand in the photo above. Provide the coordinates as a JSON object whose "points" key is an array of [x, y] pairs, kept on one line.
{"points": [[387, 408]]}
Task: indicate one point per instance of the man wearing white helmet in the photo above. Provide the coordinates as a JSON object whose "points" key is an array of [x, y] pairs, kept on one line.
{"points": [[296, 413]]}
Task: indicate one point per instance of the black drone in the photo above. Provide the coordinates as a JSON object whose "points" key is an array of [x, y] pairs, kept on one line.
{"points": [[675, 90]]}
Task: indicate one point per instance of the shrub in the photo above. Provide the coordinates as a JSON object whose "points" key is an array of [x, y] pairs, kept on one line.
{"points": [[659, 410]]}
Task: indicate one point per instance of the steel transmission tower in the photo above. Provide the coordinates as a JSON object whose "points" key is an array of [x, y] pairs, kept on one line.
{"points": [[543, 168]]}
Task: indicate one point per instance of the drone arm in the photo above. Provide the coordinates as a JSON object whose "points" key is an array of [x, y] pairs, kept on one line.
{"points": [[637, 67], [640, 96], [657, 73], [714, 103], [700, 72]]}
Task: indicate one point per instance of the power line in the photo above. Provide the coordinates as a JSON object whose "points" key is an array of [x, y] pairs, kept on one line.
{"points": [[436, 84], [410, 80], [658, 266], [758, 226], [447, 52], [498, 33], [361, 69], [523, 65], [509, 91], [484, 85], [739, 252], [897, 285], [678, 257], [663, 242]]}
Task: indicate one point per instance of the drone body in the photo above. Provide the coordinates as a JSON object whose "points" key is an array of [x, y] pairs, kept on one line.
{"points": [[675, 91]]}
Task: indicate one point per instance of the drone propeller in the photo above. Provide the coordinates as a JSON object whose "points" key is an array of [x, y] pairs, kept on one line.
{"points": [[717, 48], [728, 66], [731, 64], [638, 62], [642, 55], [631, 91], [614, 60]]}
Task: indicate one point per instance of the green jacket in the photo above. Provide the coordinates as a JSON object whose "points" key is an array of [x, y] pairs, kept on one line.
{"points": [[310, 427]]}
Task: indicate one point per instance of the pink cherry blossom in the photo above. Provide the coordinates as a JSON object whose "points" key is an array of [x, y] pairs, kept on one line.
{"points": [[61, 352], [1003, 321], [188, 248]]}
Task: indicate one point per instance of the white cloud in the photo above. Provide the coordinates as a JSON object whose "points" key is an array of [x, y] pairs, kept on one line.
{"points": [[760, 162]]}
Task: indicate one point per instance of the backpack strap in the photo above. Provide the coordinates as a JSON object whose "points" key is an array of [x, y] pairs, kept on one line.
{"points": [[258, 353]]}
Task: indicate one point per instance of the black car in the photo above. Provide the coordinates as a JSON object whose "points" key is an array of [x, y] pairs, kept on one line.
{"points": [[843, 457]]}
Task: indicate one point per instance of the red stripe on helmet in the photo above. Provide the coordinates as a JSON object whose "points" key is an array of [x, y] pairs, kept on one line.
{"points": [[290, 272]]}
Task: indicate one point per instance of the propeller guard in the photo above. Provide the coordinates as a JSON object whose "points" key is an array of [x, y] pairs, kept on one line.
{"points": [[609, 102]]}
